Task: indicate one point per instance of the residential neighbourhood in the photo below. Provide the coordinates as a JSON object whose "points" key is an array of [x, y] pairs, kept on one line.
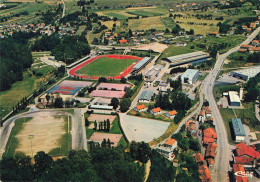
{"points": [[130, 91]]}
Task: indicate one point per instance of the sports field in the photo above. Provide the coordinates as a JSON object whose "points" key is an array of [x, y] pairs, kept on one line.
{"points": [[109, 66], [105, 66], [47, 133]]}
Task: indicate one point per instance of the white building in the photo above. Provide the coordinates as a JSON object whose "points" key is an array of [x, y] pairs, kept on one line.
{"points": [[234, 99], [189, 76]]}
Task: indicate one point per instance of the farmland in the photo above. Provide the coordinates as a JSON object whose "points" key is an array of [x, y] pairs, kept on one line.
{"points": [[105, 67], [175, 50]]}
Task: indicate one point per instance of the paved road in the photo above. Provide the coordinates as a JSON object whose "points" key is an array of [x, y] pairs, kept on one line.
{"points": [[223, 151], [64, 7], [79, 140]]}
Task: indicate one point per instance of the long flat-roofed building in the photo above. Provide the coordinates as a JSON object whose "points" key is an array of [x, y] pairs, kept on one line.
{"points": [[189, 76], [234, 99], [245, 74], [145, 96], [238, 129], [140, 65], [193, 57]]}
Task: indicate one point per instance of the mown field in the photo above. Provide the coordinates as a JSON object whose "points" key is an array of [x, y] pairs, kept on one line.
{"points": [[105, 67], [175, 50]]}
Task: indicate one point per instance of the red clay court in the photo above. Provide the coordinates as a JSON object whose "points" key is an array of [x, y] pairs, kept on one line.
{"points": [[122, 74]]}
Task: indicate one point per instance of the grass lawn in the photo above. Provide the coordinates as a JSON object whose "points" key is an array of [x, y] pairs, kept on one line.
{"points": [[12, 143], [145, 12], [175, 50], [202, 77], [81, 29], [65, 141], [106, 67]]}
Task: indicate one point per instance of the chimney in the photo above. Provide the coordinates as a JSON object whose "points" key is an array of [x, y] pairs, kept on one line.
{"points": [[241, 94]]}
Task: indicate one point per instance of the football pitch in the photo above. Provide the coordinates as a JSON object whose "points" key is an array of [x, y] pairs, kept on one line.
{"points": [[105, 66]]}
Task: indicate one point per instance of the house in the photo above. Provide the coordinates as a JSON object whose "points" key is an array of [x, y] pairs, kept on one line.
{"points": [[254, 49], [244, 27], [204, 174], [123, 41], [199, 36], [145, 96], [134, 41], [239, 173], [242, 50], [140, 108], [249, 30], [211, 153], [199, 159], [171, 114], [255, 42], [209, 136], [158, 33], [191, 126], [215, 34], [238, 130], [248, 163], [243, 150], [107, 34], [207, 111], [181, 44], [156, 111], [168, 147], [202, 116], [252, 25], [244, 46]]}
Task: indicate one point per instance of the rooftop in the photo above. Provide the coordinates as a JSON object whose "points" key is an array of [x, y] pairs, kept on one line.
{"points": [[244, 149], [171, 113], [155, 110], [244, 160], [140, 107], [190, 73], [238, 127], [239, 168], [170, 141], [210, 133], [141, 63], [199, 157], [250, 72], [233, 96], [146, 95], [211, 150]]}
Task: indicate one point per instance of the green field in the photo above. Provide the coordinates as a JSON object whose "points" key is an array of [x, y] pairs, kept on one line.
{"points": [[175, 50], [105, 67]]}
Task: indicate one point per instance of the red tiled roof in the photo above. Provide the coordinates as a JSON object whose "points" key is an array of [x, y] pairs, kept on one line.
{"points": [[140, 107], [123, 41], [204, 174], [155, 110], [170, 141], [207, 140], [255, 49], [244, 149], [247, 46], [244, 160], [210, 133], [255, 41], [210, 161], [199, 157], [171, 113], [242, 50], [252, 25], [239, 172], [211, 150], [202, 112]]}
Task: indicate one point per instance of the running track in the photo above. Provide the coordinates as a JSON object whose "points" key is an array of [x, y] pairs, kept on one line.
{"points": [[123, 74]]}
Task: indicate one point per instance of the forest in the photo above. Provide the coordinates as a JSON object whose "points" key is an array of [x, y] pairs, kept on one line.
{"points": [[15, 57], [66, 48]]}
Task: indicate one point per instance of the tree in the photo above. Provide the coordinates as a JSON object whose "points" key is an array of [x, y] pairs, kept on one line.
{"points": [[125, 104], [108, 125], [191, 32], [42, 162], [108, 143], [47, 98], [58, 103], [123, 80], [102, 79], [104, 143], [87, 122], [95, 125], [114, 102]]}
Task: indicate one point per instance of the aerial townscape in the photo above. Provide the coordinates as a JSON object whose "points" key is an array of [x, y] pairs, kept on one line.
{"points": [[130, 90]]}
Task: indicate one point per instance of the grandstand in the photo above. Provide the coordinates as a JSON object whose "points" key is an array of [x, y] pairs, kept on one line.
{"points": [[140, 65], [194, 57]]}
